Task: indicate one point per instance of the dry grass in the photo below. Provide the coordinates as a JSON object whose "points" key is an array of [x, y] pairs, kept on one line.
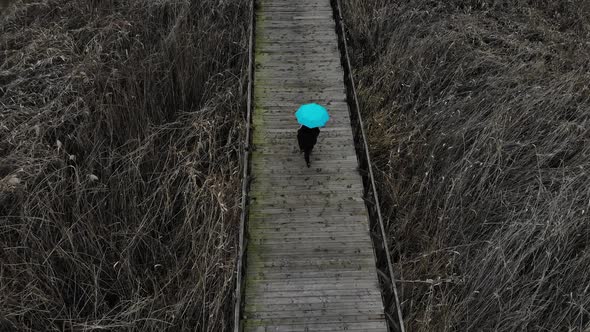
{"points": [[479, 121], [120, 131]]}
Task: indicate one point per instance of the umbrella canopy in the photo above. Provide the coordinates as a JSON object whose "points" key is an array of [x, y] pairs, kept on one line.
{"points": [[312, 115]]}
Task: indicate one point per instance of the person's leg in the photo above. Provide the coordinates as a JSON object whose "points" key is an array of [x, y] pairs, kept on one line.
{"points": [[307, 155]]}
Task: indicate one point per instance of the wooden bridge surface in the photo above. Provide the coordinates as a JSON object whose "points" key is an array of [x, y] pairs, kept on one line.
{"points": [[310, 260]]}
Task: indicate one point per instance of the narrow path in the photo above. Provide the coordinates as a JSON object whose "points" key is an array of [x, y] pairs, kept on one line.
{"points": [[310, 260]]}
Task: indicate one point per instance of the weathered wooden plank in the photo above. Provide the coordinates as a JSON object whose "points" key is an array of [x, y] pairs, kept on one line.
{"points": [[313, 233], [267, 231], [338, 107], [304, 249], [297, 176], [281, 131], [343, 205], [334, 264], [283, 189], [292, 169], [355, 210], [332, 327], [271, 221], [304, 268], [324, 153], [299, 293], [269, 311], [309, 200], [337, 219], [271, 172], [283, 309], [308, 314], [297, 101], [291, 174], [312, 286], [289, 145], [292, 61], [274, 133], [308, 254], [288, 78], [331, 275], [298, 51], [352, 317], [290, 154], [295, 63], [291, 164], [280, 97], [268, 222], [266, 90], [278, 258], [299, 47], [315, 230], [320, 306], [288, 140], [339, 173], [304, 196], [307, 246], [310, 212], [332, 299], [319, 241], [289, 117], [304, 262], [336, 228]]}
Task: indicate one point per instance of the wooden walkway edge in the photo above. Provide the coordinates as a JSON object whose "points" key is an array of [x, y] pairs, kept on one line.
{"points": [[310, 263]]}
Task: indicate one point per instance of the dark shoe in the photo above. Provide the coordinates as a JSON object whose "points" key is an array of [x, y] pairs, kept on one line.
{"points": [[308, 165]]}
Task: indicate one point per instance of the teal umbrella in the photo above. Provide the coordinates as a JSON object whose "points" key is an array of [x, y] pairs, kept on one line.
{"points": [[312, 115]]}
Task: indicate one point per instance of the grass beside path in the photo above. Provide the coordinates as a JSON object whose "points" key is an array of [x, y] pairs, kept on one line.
{"points": [[121, 124], [478, 114]]}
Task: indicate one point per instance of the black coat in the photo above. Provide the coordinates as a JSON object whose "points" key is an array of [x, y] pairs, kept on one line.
{"points": [[307, 137]]}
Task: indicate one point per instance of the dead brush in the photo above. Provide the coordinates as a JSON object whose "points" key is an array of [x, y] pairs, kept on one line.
{"points": [[123, 123], [479, 121]]}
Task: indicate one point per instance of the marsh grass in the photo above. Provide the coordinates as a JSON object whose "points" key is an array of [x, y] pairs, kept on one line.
{"points": [[479, 120], [121, 124]]}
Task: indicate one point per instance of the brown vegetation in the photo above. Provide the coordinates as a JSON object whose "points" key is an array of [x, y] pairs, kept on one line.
{"points": [[4, 4], [120, 124], [479, 120]]}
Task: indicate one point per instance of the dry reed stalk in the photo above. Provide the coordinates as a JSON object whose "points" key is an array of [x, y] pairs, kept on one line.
{"points": [[479, 120], [122, 121]]}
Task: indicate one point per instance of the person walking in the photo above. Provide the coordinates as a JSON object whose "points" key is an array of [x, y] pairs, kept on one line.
{"points": [[310, 117], [307, 138]]}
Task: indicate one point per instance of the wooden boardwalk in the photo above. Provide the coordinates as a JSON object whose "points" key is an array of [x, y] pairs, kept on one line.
{"points": [[310, 260]]}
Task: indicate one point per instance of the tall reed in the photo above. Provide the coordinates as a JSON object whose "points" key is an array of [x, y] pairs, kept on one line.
{"points": [[121, 124], [479, 120]]}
